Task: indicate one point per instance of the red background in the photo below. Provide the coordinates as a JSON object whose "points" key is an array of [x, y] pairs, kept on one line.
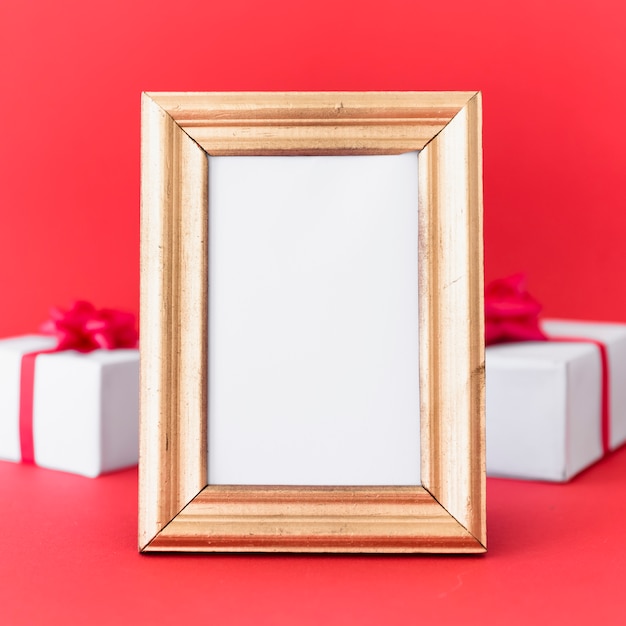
{"points": [[71, 72], [557, 556], [553, 78]]}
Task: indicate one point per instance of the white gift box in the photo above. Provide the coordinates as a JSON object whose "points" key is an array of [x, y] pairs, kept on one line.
{"points": [[544, 401], [85, 406]]}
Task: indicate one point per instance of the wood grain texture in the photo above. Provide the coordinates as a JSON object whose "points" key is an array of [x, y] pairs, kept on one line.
{"points": [[178, 511], [451, 319], [174, 301], [312, 123], [314, 519]]}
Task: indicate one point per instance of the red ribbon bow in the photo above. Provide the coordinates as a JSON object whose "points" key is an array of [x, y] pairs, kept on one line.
{"points": [[511, 313], [84, 328]]}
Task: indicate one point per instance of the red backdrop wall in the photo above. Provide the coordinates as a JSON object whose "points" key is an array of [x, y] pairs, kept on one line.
{"points": [[71, 72]]}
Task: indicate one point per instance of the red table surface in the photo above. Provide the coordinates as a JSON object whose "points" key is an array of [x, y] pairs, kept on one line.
{"points": [[557, 554]]}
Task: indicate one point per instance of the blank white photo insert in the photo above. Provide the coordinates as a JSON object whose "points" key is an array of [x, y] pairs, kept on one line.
{"points": [[313, 321]]}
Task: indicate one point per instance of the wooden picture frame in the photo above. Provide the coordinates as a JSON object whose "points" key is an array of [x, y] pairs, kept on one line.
{"points": [[178, 511]]}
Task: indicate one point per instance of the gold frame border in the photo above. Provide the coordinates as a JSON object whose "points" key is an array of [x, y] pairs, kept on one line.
{"points": [[177, 510]]}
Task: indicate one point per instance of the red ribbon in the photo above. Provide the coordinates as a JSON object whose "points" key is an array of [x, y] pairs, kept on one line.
{"points": [[512, 314], [83, 328]]}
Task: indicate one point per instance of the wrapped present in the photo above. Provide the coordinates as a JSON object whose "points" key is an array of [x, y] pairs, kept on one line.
{"points": [[556, 392], [71, 401]]}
